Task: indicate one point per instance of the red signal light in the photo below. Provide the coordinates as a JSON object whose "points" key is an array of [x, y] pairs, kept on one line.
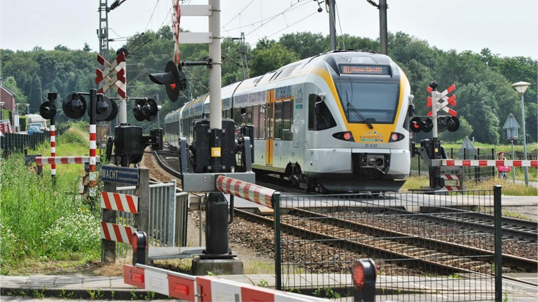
{"points": [[394, 136], [347, 136]]}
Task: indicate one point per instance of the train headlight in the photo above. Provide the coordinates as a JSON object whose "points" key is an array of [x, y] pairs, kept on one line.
{"points": [[395, 137], [346, 136]]}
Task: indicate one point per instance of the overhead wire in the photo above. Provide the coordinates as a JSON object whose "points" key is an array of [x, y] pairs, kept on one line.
{"points": [[151, 17], [238, 14], [293, 6], [293, 24]]}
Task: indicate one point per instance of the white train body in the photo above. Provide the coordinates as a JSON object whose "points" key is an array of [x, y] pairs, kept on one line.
{"points": [[339, 120]]}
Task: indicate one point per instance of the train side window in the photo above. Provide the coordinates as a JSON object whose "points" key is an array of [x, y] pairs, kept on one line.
{"points": [[324, 118], [278, 120], [256, 120], [319, 115], [287, 113], [261, 134]]}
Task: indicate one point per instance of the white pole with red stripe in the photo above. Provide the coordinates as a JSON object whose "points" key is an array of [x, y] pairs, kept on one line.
{"points": [[92, 185], [52, 147]]}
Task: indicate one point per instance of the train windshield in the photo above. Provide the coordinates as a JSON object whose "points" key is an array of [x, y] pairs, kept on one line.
{"points": [[368, 102]]}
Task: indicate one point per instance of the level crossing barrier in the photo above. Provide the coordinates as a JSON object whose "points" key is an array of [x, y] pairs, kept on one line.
{"points": [[485, 163], [204, 288]]}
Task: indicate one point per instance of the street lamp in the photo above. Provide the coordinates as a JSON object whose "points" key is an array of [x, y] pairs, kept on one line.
{"points": [[1, 110], [521, 87], [27, 108]]}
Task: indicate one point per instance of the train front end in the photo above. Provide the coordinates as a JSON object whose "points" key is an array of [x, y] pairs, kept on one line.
{"points": [[361, 108]]}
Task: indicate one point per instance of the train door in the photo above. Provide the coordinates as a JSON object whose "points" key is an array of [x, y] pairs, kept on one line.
{"points": [[270, 127]]}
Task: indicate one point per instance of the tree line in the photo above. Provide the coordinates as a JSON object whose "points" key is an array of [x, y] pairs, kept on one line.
{"points": [[485, 97]]}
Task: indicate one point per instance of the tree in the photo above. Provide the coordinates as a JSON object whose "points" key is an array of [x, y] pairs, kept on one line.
{"points": [[269, 56], [86, 47], [305, 44]]}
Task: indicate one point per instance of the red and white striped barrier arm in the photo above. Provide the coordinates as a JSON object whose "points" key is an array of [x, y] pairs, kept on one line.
{"points": [[119, 202], [92, 185], [487, 163], [246, 190], [203, 288], [116, 232], [53, 149], [450, 177], [49, 160]]}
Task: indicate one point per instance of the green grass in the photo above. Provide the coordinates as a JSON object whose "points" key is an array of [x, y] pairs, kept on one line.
{"points": [[508, 187], [40, 222]]}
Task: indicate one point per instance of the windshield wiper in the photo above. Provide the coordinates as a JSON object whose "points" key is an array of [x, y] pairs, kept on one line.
{"points": [[357, 112]]}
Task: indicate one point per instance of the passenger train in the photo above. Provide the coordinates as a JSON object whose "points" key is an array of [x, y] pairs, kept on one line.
{"points": [[337, 121]]}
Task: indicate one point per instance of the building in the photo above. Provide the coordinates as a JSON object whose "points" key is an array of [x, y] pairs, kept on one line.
{"points": [[7, 97]]}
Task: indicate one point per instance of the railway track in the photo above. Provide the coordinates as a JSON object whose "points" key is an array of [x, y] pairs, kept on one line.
{"points": [[422, 252], [401, 245]]}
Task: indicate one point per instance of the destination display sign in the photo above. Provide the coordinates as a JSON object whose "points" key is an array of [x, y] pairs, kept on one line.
{"points": [[119, 175], [364, 69]]}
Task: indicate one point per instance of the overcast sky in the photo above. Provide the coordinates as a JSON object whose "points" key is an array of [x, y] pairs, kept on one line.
{"points": [[506, 27]]}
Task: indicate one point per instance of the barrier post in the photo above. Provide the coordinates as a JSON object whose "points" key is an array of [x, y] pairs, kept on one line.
{"points": [[108, 247], [142, 218]]}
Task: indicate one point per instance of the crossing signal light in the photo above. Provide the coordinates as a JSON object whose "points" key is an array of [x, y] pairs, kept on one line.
{"points": [[74, 106], [106, 109], [419, 124], [145, 109], [450, 123], [174, 80], [48, 109]]}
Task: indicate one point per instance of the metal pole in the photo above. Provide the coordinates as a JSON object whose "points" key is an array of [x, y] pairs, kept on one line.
{"points": [[498, 243], [513, 168], [278, 264], [215, 72], [524, 140], [383, 26], [332, 20]]}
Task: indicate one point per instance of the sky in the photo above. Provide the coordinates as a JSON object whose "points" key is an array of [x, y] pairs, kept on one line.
{"points": [[506, 27]]}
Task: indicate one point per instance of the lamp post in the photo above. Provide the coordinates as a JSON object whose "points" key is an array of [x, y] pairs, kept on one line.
{"points": [[1, 110], [521, 87], [27, 108]]}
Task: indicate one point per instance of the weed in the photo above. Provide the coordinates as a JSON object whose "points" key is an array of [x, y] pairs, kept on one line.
{"points": [[456, 276], [295, 290], [92, 294], [112, 293], [326, 293], [39, 294], [133, 295], [263, 283], [209, 273], [150, 296]]}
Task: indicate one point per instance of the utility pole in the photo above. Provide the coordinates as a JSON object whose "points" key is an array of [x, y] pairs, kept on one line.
{"points": [[382, 6], [244, 66], [102, 33], [332, 20], [383, 26]]}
